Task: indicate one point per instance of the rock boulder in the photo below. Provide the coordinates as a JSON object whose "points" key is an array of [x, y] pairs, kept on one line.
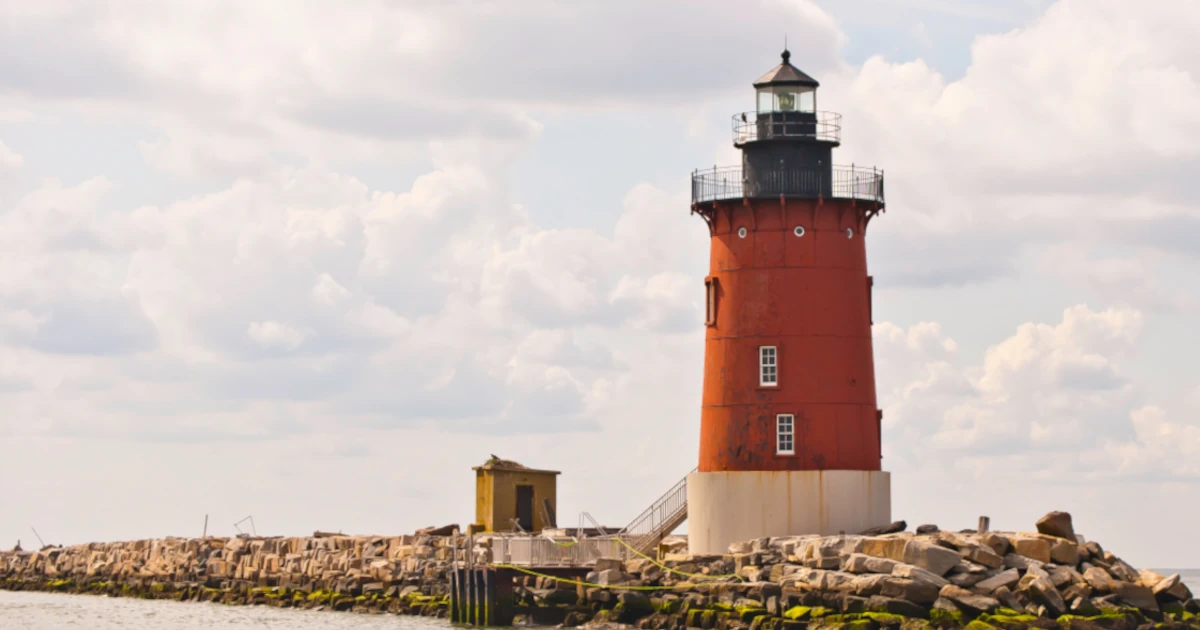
{"points": [[973, 602], [911, 590], [1002, 579], [1136, 595], [917, 573], [1057, 524], [893, 528], [1032, 548], [933, 558]]}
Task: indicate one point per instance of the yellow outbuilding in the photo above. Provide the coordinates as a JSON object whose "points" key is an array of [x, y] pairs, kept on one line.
{"points": [[508, 495]]}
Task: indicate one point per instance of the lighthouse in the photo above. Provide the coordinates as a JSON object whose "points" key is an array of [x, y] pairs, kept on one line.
{"points": [[789, 426]]}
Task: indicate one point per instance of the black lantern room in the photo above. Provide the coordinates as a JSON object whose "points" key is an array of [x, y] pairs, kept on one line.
{"points": [[786, 143]]}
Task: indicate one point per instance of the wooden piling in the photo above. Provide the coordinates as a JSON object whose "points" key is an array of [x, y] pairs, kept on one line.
{"points": [[480, 618], [463, 605], [504, 597], [482, 596], [471, 598], [454, 599], [485, 599]]}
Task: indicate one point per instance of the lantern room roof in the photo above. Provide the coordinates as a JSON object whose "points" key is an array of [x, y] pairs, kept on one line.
{"points": [[786, 74]]}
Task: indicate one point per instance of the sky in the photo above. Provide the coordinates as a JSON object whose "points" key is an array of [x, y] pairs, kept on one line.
{"points": [[309, 262]]}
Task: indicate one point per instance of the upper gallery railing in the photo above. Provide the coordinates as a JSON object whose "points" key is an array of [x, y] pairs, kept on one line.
{"points": [[751, 126], [842, 182]]}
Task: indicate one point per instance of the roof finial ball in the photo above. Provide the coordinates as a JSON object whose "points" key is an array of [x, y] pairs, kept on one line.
{"points": [[786, 55]]}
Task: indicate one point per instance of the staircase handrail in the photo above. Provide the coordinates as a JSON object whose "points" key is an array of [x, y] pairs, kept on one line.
{"points": [[666, 508]]}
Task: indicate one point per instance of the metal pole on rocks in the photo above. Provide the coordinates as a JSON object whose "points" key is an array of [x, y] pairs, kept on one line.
{"points": [[205, 534], [984, 523], [38, 537], [252, 527]]}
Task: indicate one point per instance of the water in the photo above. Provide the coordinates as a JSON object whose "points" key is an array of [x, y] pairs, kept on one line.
{"points": [[47, 611], [52, 611]]}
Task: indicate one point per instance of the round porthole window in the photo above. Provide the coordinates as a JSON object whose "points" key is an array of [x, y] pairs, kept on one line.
{"points": [[741, 232], [799, 230], [849, 233]]}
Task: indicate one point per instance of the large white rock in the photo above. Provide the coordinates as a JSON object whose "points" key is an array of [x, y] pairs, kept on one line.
{"points": [[933, 558]]}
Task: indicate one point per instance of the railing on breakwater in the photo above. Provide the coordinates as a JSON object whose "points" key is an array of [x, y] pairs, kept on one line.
{"points": [[528, 551]]}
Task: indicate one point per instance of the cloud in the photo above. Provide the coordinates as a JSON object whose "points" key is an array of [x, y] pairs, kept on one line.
{"points": [[1048, 136], [1052, 396], [272, 333], [262, 81], [1161, 446], [1129, 280], [9, 160], [333, 256], [376, 307]]}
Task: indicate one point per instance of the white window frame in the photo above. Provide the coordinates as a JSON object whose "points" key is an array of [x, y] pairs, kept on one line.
{"points": [[768, 366], [785, 434]]}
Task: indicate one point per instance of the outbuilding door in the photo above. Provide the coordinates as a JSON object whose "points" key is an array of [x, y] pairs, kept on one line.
{"points": [[525, 507]]}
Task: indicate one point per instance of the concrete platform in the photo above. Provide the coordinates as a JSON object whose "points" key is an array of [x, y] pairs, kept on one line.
{"points": [[728, 507]]}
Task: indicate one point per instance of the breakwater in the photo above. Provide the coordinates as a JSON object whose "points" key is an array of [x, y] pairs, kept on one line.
{"points": [[894, 579], [397, 574], [1049, 578]]}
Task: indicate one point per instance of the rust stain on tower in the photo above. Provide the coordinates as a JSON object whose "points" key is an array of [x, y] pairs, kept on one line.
{"points": [[789, 374]]}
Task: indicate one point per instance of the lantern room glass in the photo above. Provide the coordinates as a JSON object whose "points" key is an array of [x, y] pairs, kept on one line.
{"points": [[787, 98]]}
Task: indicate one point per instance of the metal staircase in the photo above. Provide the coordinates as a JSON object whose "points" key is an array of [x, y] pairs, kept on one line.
{"points": [[659, 520]]}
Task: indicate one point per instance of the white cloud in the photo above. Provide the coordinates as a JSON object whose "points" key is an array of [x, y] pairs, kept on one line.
{"points": [[1160, 446], [1058, 390], [20, 321], [265, 80], [327, 290], [1129, 280], [377, 306], [1083, 124], [9, 160], [274, 334]]}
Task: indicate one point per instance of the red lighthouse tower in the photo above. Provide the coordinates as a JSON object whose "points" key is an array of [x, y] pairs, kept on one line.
{"points": [[789, 430]]}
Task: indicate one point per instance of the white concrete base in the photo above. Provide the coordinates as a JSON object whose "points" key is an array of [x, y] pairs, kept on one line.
{"points": [[728, 507]]}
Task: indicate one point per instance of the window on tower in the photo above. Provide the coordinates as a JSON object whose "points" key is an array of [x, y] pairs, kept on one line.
{"points": [[768, 365], [870, 299], [710, 309], [785, 434]]}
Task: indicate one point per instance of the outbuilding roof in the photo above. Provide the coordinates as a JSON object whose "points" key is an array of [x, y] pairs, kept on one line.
{"points": [[495, 463]]}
